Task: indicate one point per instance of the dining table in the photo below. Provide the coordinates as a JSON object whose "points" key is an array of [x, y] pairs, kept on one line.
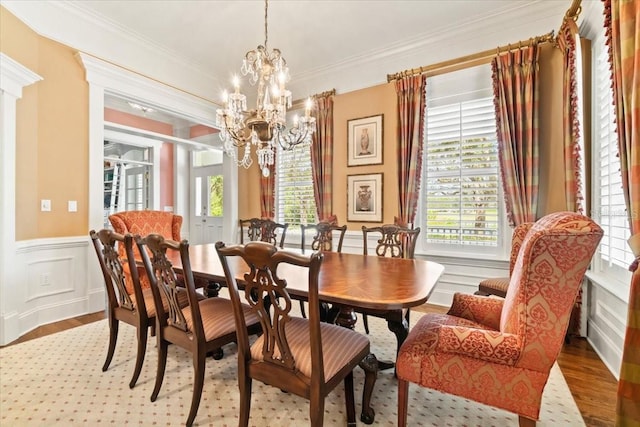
{"points": [[348, 283]]}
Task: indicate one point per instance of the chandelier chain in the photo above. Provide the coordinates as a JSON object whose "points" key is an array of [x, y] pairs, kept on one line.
{"points": [[266, 32]]}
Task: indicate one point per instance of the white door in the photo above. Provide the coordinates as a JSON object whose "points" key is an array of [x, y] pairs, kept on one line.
{"points": [[137, 188], [207, 204]]}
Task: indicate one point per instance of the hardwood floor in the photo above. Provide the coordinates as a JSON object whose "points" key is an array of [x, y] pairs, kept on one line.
{"points": [[592, 385]]}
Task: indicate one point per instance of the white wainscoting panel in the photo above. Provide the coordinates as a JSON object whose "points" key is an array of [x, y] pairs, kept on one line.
{"points": [[51, 284], [606, 324]]}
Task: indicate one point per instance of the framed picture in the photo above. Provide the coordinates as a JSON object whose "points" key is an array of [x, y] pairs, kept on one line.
{"points": [[364, 197], [364, 141]]}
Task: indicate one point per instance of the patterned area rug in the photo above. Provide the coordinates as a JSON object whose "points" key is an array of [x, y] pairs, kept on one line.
{"points": [[57, 380]]}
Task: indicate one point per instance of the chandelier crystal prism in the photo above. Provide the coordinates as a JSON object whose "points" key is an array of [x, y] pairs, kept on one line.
{"points": [[265, 126]]}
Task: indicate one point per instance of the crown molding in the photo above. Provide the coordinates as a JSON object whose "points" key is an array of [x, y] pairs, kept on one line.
{"points": [[14, 76]]}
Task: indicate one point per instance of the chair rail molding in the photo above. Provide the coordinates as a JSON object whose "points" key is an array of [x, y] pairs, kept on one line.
{"points": [[13, 78]]}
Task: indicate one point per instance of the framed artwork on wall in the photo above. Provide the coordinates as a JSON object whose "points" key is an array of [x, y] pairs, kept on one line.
{"points": [[364, 197], [364, 141]]}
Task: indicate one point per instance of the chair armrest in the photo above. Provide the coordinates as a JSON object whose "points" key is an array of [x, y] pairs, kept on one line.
{"points": [[479, 309], [489, 346]]}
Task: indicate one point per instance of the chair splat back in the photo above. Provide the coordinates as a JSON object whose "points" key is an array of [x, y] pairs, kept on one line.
{"points": [[263, 230], [164, 277], [395, 241], [323, 238], [106, 244]]}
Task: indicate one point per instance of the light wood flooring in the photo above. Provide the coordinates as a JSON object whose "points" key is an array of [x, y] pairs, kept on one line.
{"points": [[592, 385]]}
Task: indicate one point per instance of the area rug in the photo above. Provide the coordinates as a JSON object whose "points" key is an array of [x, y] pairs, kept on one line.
{"points": [[57, 380]]}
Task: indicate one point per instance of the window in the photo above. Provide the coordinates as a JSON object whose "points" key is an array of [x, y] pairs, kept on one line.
{"points": [[461, 191], [295, 203], [609, 205]]}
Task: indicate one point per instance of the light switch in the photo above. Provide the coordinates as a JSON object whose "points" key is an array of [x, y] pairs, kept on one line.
{"points": [[73, 206], [45, 205]]}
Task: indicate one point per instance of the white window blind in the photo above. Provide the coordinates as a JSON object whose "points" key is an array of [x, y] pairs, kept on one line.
{"points": [[295, 203], [611, 211], [461, 186]]}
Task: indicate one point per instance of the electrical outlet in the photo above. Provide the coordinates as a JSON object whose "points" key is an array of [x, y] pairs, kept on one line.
{"points": [[45, 205], [45, 279]]}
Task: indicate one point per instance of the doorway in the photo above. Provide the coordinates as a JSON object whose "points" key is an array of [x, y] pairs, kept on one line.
{"points": [[207, 198]]}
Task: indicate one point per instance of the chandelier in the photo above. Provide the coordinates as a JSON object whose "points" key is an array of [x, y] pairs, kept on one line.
{"points": [[264, 126]]}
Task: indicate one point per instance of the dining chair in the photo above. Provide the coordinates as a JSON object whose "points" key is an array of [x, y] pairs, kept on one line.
{"points": [[306, 357], [133, 307], [263, 230], [324, 235], [394, 241], [499, 351], [322, 241], [498, 285], [201, 327]]}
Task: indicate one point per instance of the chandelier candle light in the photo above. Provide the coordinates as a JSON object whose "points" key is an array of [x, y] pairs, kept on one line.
{"points": [[266, 125]]}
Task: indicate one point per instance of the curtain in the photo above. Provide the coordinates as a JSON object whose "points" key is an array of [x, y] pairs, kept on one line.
{"points": [[571, 125], [622, 22], [570, 117], [268, 193], [411, 105], [322, 157], [515, 87]]}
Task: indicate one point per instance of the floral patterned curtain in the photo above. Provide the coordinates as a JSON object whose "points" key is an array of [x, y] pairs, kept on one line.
{"points": [[322, 156], [622, 22], [570, 115], [411, 104], [268, 193], [515, 87]]}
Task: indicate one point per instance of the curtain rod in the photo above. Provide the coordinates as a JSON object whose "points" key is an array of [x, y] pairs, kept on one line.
{"points": [[470, 60], [300, 103], [574, 10]]}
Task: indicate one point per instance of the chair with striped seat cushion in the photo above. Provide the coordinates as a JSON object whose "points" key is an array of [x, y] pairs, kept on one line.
{"points": [[499, 351], [498, 285], [134, 308], [202, 326], [302, 356]]}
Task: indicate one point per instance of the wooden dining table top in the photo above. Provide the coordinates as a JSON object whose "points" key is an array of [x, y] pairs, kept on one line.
{"points": [[354, 280]]}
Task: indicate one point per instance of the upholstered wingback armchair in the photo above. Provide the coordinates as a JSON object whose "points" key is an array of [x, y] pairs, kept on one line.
{"points": [[143, 223], [499, 352]]}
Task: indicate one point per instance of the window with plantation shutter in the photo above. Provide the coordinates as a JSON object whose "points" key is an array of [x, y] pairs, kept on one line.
{"points": [[295, 203], [609, 205], [461, 186]]}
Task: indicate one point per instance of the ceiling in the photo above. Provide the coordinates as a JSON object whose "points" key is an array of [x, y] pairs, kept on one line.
{"points": [[328, 44]]}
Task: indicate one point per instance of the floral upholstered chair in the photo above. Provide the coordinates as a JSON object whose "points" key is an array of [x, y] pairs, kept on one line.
{"points": [[499, 352], [143, 223]]}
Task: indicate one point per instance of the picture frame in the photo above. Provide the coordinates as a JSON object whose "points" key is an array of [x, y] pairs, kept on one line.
{"points": [[364, 141], [364, 197]]}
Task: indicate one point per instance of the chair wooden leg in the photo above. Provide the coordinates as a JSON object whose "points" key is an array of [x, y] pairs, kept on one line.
{"points": [[365, 322], [142, 349], [162, 363], [316, 408], [350, 400], [198, 383], [526, 422], [403, 402], [113, 338], [245, 400], [302, 309]]}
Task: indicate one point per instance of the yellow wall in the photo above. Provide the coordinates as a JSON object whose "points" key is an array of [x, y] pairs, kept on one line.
{"points": [[367, 102], [52, 134]]}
